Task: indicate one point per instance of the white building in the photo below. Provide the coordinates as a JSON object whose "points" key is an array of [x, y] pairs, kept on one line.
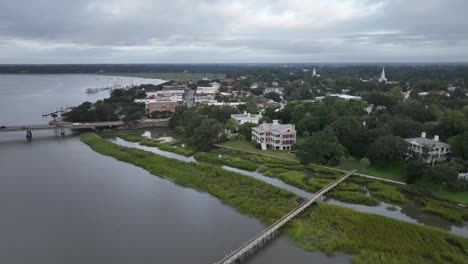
{"points": [[274, 135], [247, 118], [314, 73], [207, 90], [278, 90], [463, 176], [342, 96], [382, 76], [205, 98], [433, 148]]}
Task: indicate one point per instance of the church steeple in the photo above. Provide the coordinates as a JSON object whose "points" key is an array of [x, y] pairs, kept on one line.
{"points": [[314, 73], [382, 76]]}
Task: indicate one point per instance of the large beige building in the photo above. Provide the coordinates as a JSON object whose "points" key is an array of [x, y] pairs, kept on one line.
{"points": [[274, 135], [161, 105]]}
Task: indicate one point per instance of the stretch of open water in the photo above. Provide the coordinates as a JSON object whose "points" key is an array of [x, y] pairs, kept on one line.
{"points": [[60, 202]]}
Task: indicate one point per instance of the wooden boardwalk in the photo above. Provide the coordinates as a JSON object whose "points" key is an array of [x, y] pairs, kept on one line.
{"points": [[266, 235]]}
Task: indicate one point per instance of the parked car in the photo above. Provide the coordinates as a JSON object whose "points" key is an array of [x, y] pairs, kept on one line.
{"points": [[76, 124]]}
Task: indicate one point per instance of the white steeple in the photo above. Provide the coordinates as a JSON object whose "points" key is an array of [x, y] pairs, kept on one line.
{"points": [[382, 76], [314, 73]]}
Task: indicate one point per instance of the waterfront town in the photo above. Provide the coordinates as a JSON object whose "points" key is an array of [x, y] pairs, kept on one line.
{"points": [[215, 131]]}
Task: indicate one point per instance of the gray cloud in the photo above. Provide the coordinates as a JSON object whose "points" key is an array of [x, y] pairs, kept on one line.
{"points": [[61, 31]]}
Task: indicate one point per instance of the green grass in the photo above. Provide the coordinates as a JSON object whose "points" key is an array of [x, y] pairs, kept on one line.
{"points": [[375, 239], [234, 162], [445, 210], [348, 186], [178, 76], [318, 183], [353, 197], [443, 192], [387, 193], [247, 146], [174, 146], [395, 172]]}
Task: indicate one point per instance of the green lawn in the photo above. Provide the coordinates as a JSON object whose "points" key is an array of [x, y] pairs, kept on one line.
{"points": [[247, 146], [443, 192], [396, 172], [178, 76]]}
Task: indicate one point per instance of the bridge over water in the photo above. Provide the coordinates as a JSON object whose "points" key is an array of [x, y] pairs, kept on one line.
{"points": [[251, 246], [60, 125]]}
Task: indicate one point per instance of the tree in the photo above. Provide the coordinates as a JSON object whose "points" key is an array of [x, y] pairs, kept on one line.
{"points": [[273, 96], [191, 120], [416, 168], [232, 125], [378, 99], [452, 123], [206, 134], [321, 147], [442, 173], [405, 127], [161, 114], [415, 110], [349, 132], [387, 150], [246, 130], [178, 116], [459, 145]]}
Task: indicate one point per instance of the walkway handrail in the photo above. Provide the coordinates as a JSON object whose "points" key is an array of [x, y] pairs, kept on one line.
{"points": [[283, 220]]}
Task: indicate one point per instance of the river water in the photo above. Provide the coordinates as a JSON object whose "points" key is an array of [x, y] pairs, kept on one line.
{"points": [[63, 203], [410, 213]]}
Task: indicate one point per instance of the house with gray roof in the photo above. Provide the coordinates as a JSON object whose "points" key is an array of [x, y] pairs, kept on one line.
{"points": [[274, 135], [247, 118], [431, 150]]}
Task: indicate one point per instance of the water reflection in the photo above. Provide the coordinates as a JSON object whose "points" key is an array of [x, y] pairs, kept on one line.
{"points": [[156, 150], [410, 213]]}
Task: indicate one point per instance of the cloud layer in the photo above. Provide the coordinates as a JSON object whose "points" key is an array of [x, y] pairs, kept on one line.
{"points": [[178, 31]]}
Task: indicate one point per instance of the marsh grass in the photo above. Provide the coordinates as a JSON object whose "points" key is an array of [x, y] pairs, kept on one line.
{"points": [[375, 239], [450, 212], [353, 197], [387, 193], [234, 162]]}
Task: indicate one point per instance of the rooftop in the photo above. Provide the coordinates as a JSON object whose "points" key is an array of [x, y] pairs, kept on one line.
{"points": [[273, 127], [422, 141], [246, 115]]}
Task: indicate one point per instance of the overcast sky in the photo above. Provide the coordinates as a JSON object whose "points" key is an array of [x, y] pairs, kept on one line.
{"points": [[205, 31]]}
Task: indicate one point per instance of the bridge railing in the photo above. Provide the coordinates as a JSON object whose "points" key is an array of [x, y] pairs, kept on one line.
{"points": [[283, 220]]}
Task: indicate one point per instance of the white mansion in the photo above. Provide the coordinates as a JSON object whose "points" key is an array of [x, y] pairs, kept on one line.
{"points": [[435, 150]]}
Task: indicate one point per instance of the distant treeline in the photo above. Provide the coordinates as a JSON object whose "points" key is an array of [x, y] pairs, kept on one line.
{"points": [[395, 71]]}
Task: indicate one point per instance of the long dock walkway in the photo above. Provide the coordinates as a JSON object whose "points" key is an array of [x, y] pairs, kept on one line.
{"points": [[254, 244]]}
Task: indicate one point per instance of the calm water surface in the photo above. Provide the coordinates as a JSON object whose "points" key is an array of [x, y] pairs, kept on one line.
{"points": [[410, 213], [63, 203]]}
